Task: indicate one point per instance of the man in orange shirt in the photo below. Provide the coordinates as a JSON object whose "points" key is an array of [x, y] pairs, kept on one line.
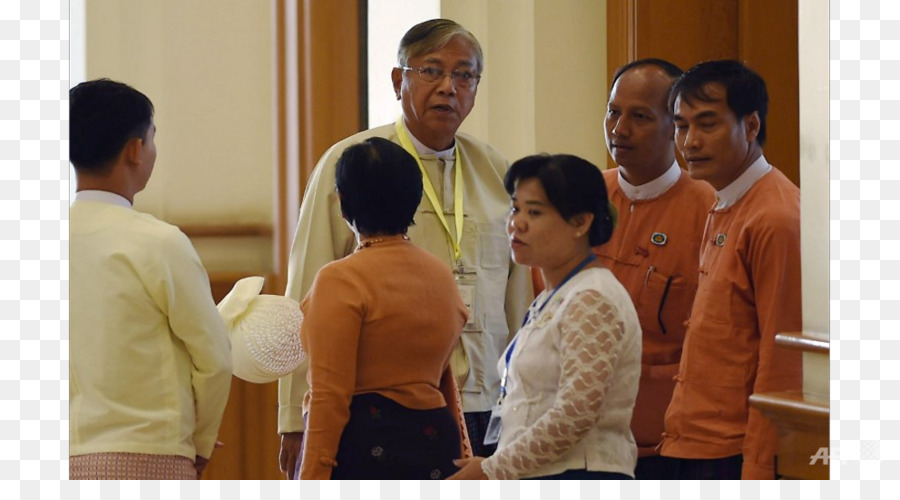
{"points": [[655, 248], [749, 284]]}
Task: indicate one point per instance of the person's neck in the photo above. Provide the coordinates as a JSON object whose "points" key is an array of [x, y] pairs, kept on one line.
{"points": [[369, 239], [436, 142], [110, 184], [753, 154], [553, 276], [638, 176]]}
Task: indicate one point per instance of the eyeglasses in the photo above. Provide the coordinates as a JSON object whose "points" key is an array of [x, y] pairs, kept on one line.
{"points": [[431, 74]]}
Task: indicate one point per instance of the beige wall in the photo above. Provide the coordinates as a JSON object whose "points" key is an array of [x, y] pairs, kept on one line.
{"points": [[208, 67], [544, 87], [814, 168]]}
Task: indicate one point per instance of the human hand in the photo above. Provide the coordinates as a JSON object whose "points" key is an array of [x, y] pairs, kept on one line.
{"points": [[469, 468], [200, 464], [289, 453]]}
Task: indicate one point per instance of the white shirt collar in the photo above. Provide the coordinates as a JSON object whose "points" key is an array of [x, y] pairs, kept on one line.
{"points": [[423, 150], [733, 192], [102, 197], [652, 189]]}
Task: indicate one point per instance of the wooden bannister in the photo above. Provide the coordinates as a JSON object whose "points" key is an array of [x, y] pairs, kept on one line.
{"points": [[802, 417]]}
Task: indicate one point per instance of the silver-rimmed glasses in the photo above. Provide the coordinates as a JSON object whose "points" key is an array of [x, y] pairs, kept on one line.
{"points": [[431, 74]]}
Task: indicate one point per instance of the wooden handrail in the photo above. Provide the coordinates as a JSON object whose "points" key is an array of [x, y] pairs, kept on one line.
{"points": [[802, 342], [225, 230], [792, 406]]}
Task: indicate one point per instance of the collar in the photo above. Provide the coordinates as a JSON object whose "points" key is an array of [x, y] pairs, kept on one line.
{"points": [[652, 189], [102, 197], [733, 192], [423, 150]]}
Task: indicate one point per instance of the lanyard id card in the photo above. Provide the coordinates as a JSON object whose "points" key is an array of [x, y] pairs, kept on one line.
{"points": [[492, 434], [467, 284]]}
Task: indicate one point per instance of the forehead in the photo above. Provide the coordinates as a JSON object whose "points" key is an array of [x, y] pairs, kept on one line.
{"points": [[530, 189], [714, 102], [455, 52], [643, 85]]}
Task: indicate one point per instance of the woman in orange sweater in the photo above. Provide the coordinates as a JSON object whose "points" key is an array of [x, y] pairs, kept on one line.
{"points": [[379, 327]]}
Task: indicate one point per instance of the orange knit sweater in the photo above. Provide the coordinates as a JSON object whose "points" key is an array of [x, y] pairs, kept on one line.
{"points": [[382, 320]]}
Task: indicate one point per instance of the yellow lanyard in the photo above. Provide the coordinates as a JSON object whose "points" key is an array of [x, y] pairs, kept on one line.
{"points": [[407, 144]]}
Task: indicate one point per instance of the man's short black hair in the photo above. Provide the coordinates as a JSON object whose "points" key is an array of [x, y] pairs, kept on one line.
{"points": [[380, 185], [667, 67], [103, 116], [573, 186], [745, 90]]}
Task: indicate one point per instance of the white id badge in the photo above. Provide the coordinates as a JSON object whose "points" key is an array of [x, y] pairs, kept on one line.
{"points": [[466, 284], [492, 434]]}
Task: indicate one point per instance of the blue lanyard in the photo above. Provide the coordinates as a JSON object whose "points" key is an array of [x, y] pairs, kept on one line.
{"points": [[590, 258]]}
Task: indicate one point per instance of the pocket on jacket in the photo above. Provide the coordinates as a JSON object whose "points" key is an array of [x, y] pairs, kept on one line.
{"points": [[665, 304]]}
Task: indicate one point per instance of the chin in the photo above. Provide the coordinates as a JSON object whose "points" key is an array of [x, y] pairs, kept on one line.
{"points": [[520, 259]]}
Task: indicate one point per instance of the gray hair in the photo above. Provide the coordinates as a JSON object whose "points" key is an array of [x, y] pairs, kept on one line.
{"points": [[431, 35]]}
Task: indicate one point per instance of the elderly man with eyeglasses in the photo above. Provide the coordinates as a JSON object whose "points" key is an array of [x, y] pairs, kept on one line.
{"points": [[460, 220]]}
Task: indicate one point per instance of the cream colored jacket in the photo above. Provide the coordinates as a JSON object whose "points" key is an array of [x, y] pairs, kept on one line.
{"points": [[150, 361], [503, 291]]}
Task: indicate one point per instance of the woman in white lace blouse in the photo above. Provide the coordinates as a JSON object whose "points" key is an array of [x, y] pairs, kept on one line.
{"points": [[570, 376]]}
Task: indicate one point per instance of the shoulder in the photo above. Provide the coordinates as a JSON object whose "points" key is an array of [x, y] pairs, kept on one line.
{"points": [[597, 282], [481, 152], [429, 260], [338, 276], [332, 154], [161, 240], [598, 294], [774, 202], [151, 226]]}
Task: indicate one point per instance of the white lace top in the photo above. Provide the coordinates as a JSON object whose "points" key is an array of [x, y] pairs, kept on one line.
{"points": [[573, 379]]}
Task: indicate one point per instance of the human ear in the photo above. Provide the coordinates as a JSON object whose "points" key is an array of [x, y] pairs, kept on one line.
{"points": [[132, 152], [582, 223], [397, 79], [752, 125]]}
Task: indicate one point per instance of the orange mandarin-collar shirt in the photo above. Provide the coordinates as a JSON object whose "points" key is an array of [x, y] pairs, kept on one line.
{"points": [[383, 320], [655, 252], [749, 290]]}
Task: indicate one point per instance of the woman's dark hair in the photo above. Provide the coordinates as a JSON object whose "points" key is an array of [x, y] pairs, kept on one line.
{"points": [[103, 116], [745, 90], [380, 186], [573, 186]]}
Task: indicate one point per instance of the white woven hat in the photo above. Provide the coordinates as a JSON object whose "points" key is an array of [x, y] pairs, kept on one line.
{"points": [[264, 332]]}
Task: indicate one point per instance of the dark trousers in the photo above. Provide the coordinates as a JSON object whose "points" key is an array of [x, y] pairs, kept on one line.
{"points": [[476, 424], [386, 440], [655, 467], [708, 468]]}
